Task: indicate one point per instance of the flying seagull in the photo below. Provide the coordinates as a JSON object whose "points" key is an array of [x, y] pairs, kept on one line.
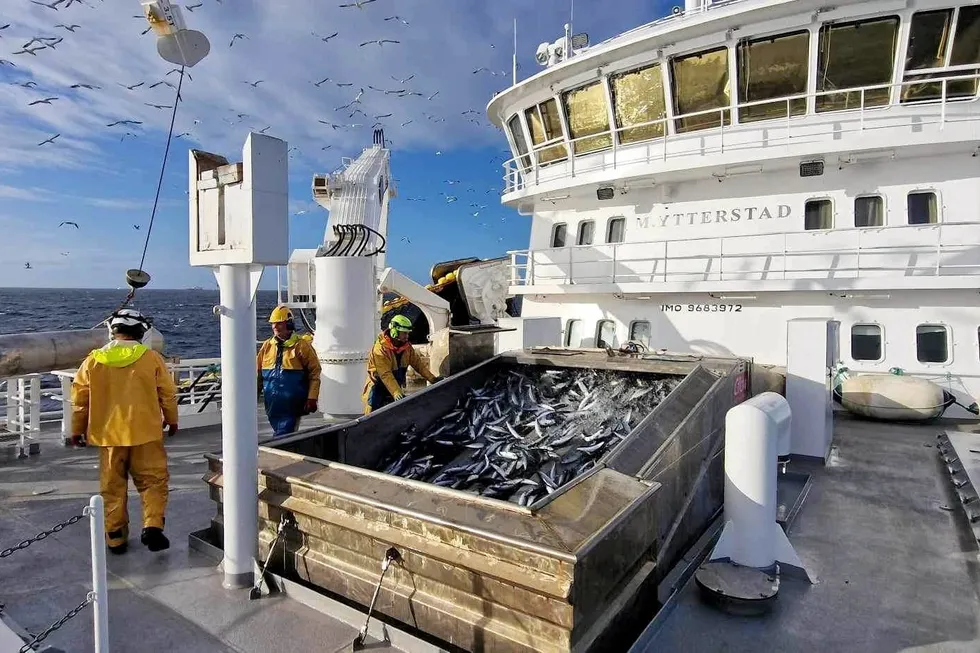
{"points": [[177, 70], [254, 84], [402, 81], [325, 38], [53, 5], [50, 140], [90, 87], [27, 266], [30, 84], [398, 18], [30, 51], [70, 28], [69, 224], [4, 62], [191, 8], [46, 100], [343, 84], [124, 122], [380, 42], [432, 96], [235, 38], [405, 238], [322, 82], [130, 88], [158, 106], [383, 115], [3, 27], [407, 122], [357, 3]]}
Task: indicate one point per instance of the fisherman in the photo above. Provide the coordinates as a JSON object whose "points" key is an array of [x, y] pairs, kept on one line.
{"points": [[288, 374], [122, 396], [388, 365]]}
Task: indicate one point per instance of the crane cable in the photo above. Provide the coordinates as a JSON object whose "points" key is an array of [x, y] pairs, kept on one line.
{"points": [[156, 198]]}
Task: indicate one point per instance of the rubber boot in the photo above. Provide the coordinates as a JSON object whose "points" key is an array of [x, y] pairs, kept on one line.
{"points": [[154, 539], [118, 549]]}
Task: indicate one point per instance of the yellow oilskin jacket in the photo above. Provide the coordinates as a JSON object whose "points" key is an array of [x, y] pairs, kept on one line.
{"points": [[122, 395], [388, 363], [299, 367]]}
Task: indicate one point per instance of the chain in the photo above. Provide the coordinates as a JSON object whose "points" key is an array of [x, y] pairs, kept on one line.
{"points": [[40, 536], [71, 614]]}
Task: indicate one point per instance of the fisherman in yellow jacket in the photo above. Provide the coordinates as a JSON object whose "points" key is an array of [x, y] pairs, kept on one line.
{"points": [[122, 396], [388, 364], [288, 374]]}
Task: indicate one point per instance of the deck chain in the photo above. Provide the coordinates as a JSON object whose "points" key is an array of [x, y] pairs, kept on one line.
{"points": [[71, 614], [42, 535]]}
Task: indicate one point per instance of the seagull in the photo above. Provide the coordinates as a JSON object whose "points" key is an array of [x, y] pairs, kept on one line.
{"points": [[4, 62], [163, 82], [130, 88], [357, 3], [451, 198], [46, 100], [3, 27], [322, 82], [432, 96], [30, 51], [325, 38], [470, 111], [158, 106], [265, 129], [479, 70], [123, 137], [325, 147], [50, 140], [191, 8], [380, 42], [343, 84], [405, 238], [177, 70], [136, 227], [27, 266], [183, 134], [330, 124], [69, 224], [254, 84], [383, 115], [357, 111], [53, 5], [398, 18], [235, 38], [407, 122], [402, 81], [90, 87], [30, 84], [65, 253], [124, 122], [70, 28]]}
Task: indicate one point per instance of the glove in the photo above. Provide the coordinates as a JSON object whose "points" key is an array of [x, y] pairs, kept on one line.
{"points": [[437, 379], [310, 406], [398, 395], [171, 429], [78, 440]]}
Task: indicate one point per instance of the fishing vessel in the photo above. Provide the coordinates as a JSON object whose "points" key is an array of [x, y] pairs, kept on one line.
{"points": [[742, 204]]}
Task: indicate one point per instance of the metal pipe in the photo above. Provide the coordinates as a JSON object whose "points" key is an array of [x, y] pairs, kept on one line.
{"points": [[239, 424], [100, 583], [37, 353]]}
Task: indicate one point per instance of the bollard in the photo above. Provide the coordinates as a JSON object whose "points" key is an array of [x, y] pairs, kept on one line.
{"points": [[100, 584]]}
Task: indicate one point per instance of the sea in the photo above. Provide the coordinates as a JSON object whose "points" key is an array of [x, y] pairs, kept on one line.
{"points": [[185, 317]]}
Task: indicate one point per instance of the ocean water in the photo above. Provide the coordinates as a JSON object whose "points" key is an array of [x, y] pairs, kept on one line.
{"points": [[184, 317]]}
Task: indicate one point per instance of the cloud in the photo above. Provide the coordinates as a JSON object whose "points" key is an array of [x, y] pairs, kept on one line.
{"points": [[24, 194]]}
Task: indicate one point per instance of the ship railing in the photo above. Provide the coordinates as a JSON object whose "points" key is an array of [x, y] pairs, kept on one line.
{"points": [[198, 403], [702, 8], [540, 165], [929, 250]]}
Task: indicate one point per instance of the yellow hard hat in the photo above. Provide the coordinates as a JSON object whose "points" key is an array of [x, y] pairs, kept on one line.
{"points": [[280, 314]]}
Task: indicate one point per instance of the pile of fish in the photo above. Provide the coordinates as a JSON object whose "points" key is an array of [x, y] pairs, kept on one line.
{"points": [[524, 434]]}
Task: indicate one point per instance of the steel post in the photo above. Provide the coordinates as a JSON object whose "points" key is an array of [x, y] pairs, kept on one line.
{"points": [[239, 423], [100, 583]]}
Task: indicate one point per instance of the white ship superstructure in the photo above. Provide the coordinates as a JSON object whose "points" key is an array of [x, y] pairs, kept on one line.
{"points": [[695, 183]]}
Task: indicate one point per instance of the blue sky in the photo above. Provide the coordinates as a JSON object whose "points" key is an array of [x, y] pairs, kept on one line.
{"points": [[104, 178]]}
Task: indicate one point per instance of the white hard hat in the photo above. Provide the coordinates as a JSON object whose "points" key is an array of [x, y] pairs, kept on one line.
{"points": [[128, 317]]}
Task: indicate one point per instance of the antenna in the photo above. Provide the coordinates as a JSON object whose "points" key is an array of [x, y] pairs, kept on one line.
{"points": [[514, 63], [571, 30]]}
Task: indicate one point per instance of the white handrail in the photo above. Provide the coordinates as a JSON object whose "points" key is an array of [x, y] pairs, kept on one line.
{"points": [[516, 172]]}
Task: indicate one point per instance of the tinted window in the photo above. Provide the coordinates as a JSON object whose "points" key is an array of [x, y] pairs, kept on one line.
{"points": [[587, 114], [932, 343], [772, 67], [638, 98], [818, 214], [616, 230], [586, 232], [514, 125], [923, 208], [851, 55], [700, 82], [869, 211], [866, 342], [558, 235], [545, 126]]}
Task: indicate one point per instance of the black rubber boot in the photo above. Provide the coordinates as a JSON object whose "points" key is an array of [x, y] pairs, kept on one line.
{"points": [[118, 549], [154, 539]]}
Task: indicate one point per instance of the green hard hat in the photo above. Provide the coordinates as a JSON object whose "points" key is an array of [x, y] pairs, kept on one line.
{"points": [[399, 323]]}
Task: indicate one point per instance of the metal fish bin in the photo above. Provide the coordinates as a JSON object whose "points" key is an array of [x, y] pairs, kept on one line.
{"points": [[527, 543]]}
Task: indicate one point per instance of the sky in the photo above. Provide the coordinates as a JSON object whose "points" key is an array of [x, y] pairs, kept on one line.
{"points": [[453, 54]]}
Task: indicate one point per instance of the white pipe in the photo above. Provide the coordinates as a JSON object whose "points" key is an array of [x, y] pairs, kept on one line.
{"points": [[100, 583], [239, 425]]}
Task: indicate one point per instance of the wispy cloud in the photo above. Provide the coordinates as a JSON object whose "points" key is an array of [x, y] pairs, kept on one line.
{"points": [[32, 194]]}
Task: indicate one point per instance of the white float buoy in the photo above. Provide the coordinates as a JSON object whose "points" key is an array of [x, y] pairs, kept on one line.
{"points": [[175, 43]]}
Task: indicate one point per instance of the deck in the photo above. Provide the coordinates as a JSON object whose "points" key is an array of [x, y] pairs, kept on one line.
{"points": [[897, 569], [171, 601]]}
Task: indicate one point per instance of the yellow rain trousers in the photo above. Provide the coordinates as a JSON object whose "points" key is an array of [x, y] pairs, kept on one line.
{"points": [[387, 369], [121, 397]]}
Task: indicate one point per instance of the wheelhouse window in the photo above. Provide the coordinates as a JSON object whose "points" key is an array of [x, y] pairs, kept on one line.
{"points": [[517, 134], [588, 114], [931, 48], [558, 234], [574, 333], [923, 207], [616, 230], [852, 55], [605, 334], [640, 332], [772, 67], [700, 83], [586, 232], [866, 342], [638, 98], [818, 214], [545, 126], [932, 343], [869, 211]]}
